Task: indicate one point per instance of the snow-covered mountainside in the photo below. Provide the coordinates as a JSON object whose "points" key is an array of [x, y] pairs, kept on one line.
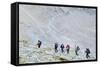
{"points": [[73, 26], [32, 54]]}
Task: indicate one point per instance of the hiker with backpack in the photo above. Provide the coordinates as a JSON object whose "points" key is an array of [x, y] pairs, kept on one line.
{"points": [[39, 43], [56, 47], [77, 50], [62, 48], [68, 48], [87, 51]]}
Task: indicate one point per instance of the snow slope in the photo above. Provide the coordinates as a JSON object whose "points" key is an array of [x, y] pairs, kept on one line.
{"points": [[73, 26], [32, 54]]}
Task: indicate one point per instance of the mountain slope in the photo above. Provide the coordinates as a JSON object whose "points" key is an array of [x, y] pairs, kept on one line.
{"points": [[73, 26]]}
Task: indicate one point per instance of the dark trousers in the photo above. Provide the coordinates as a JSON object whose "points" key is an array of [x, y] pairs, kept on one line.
{"points": [[62, 50], [67, 51], [87, 55], [76, 52], [56, 50], [39, 46]]}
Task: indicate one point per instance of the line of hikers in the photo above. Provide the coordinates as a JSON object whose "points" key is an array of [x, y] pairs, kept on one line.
{"points": [[67, 48], [62, 47], [87, 51]]}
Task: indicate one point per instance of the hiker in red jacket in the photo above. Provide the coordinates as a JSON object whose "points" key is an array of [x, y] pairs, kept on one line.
{"points": [[68, 48]]}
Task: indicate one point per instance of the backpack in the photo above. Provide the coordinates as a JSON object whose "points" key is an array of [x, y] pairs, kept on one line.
{"points": [[88, 51]]}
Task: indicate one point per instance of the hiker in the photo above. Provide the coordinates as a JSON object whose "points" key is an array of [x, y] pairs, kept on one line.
{"points": [[77, 50], [39, 43], [62, 48], [68, 48], [87, 53], [56, 46]]}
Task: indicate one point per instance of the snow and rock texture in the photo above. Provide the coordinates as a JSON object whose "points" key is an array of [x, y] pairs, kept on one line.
{"points": [[73, 26]]}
